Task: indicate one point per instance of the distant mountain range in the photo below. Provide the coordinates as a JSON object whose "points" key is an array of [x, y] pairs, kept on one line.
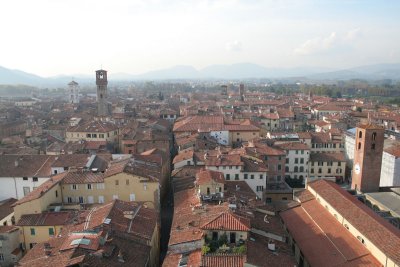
{"points": [[229, 72]]}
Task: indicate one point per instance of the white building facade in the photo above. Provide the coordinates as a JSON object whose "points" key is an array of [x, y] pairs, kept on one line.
{"points": [[390, 171]]}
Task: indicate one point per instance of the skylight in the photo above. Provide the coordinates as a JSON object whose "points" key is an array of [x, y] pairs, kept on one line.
{"points": [[80, 241]]}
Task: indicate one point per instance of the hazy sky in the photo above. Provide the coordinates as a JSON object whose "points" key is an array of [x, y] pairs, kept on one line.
{"points": [[50, 37]]}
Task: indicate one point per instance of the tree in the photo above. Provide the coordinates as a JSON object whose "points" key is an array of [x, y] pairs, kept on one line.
{"points": [[239, 250], [205, 249]]}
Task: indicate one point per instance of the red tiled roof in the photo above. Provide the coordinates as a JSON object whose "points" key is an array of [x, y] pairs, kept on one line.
{"points": [[94, 126], [253, 165], [223, 260], [188, 214], [293, 146], [183, 155], [240, 127], [6, 207], [46, 218], [393, 150], [194, 259], [26, 165], [8, 229], [370, 126], [71, 160], [93, 145], [227, 221], [322, 239], [380, 232], [172, 260], [206, 176], [224, 160], [270, 116]]}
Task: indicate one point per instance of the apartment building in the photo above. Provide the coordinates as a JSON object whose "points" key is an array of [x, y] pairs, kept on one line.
{"points": [[93, 131], [329, 166], [21, 174], [122, 180], [297, 157]]}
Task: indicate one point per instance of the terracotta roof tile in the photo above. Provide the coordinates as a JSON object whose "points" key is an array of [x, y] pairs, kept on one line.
{"points": [[336, 156], [380, 232], [321, 238], [172, 260], [94, 126], [206, 176], [223, 260], [6, 207], [46, 218], [227, 221], [26, 165]]}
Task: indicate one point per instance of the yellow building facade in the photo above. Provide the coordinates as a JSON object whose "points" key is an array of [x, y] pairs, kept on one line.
{"points": [[123, 186]]}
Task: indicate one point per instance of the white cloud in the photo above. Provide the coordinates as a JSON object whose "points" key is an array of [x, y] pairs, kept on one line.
{"points": [[353, 34], [317, 45], [235, 46]]}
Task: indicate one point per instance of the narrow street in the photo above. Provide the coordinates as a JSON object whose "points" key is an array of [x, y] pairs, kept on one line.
{"points": [[167, 211]]}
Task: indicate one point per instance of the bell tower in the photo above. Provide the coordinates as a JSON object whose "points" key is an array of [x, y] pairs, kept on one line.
{"points": [[367, 158], [102, 94], [73, 92]]}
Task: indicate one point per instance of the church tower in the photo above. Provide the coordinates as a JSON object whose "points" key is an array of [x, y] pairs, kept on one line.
{"points": [[367, 158], [101, 82], [73, 92]]}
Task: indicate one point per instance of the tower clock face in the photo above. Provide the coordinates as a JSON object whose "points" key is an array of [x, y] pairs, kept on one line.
{"points": [[357, 168]]}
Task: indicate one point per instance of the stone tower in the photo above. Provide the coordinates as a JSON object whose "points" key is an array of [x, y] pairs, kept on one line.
{"points": [[73, 91], [241, 91], [101, 82], [367, 158]]}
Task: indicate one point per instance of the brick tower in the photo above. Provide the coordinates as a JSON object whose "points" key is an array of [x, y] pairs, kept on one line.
{"points": [[367, 158], [101, 82]]}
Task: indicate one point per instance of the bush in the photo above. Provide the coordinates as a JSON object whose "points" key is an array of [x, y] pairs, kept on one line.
{"points": [[239, 250], [223, 240], [205, 250], [214, 245]]}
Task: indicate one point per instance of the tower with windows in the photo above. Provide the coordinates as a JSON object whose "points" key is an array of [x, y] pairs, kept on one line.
{"points": [[73, 92], [102, 94], [367, 158]]}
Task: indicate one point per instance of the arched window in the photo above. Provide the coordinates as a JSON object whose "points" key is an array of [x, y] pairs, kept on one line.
{"points": [[359, 145], [286, 169], [373, 136], [360, 134], [301, 169], [296, 169]]}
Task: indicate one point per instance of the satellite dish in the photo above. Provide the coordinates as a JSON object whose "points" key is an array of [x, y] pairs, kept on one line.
{"points": [[266, 219]]}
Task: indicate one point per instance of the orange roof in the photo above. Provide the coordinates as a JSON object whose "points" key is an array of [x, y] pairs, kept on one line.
{"points": [[370, 126], [227, 221], [380, 232], [222, 260], [206, 176], [322, 239]]}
